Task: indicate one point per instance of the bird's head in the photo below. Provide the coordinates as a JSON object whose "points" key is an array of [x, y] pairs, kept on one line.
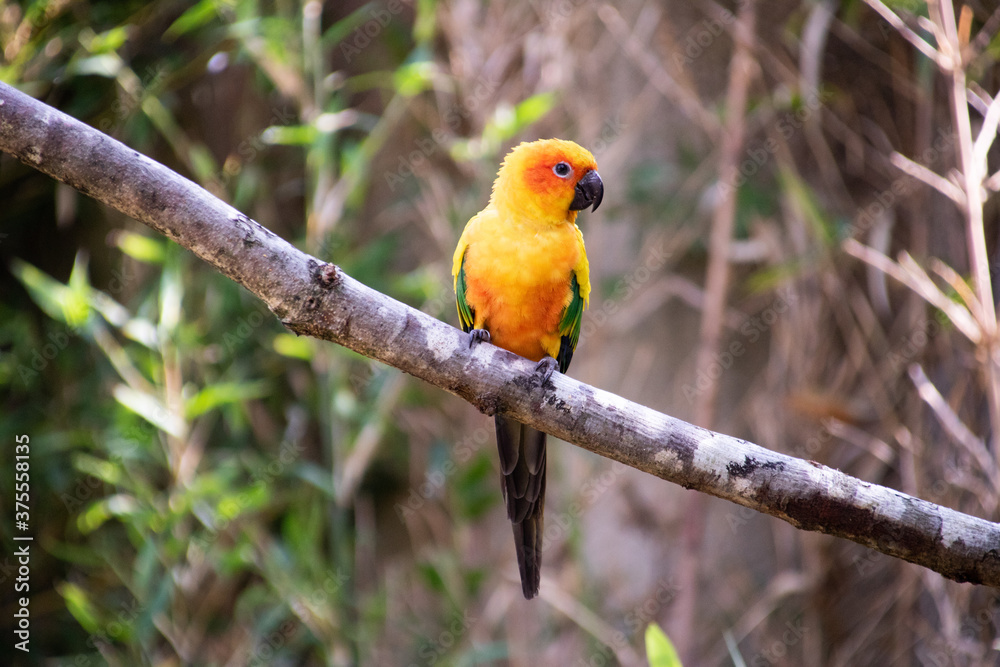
{"points": [[548, 180]]}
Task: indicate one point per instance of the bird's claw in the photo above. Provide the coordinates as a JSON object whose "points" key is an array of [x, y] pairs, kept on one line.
{"points": [[545, 368], [477, 336]]}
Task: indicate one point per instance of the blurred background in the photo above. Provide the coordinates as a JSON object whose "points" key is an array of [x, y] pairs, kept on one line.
{"points": [[208, 489]]}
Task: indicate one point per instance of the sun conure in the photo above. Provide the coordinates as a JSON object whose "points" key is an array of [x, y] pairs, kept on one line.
{"points": [[522, 282]]}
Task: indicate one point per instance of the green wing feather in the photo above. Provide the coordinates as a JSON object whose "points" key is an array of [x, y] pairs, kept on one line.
{"points": [[569, 326], [465, 312]]}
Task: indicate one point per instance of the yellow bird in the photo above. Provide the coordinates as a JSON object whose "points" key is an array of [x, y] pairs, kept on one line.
{"points": [[522, 282]]}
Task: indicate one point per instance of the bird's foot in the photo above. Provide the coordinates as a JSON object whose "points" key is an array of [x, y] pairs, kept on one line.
{"points": [[477, 336], [545, 368]]}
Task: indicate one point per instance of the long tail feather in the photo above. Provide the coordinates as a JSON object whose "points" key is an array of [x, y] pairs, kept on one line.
{"points": [[522, 464]]}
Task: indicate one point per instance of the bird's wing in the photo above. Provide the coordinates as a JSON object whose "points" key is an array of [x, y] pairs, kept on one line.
{"points": [[466, 314]]}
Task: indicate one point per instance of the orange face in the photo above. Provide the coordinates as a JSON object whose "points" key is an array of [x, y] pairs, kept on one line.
{"points": [[553, 170], [556, 176]]}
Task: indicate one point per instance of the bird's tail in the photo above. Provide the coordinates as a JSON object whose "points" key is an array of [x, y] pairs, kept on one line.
{"points": [[522, 464]]}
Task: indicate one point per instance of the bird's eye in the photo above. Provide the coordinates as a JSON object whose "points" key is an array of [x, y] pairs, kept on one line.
{"points": [[562, 170]]}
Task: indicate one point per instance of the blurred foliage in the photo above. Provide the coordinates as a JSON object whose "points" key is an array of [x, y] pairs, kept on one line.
{"points": [[660, 651], [190, 497]]}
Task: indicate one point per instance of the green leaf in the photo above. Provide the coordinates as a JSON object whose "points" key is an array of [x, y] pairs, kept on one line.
{"points": [[171, 296], [917, 7], [431, 576], [79, 604], [79, 287], [108, 41], [424, 26], [414, 78], [195, 17], [290, 135], [345, 26], [660, 652], [296, 347], [224, 393], [106, 471], [150, 409], [60, 302], [506, 123], [203, 163], [141, 247], [118, 505], [533, 108]]}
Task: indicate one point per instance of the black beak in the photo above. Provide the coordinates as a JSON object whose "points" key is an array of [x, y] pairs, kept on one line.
{"points": [[589, 190]]}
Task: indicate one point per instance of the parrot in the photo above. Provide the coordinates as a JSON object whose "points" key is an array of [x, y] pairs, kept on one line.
{"points": [[522, 282]]}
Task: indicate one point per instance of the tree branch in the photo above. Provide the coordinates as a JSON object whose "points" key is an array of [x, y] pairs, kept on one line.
{"points": [[314, 298]]}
